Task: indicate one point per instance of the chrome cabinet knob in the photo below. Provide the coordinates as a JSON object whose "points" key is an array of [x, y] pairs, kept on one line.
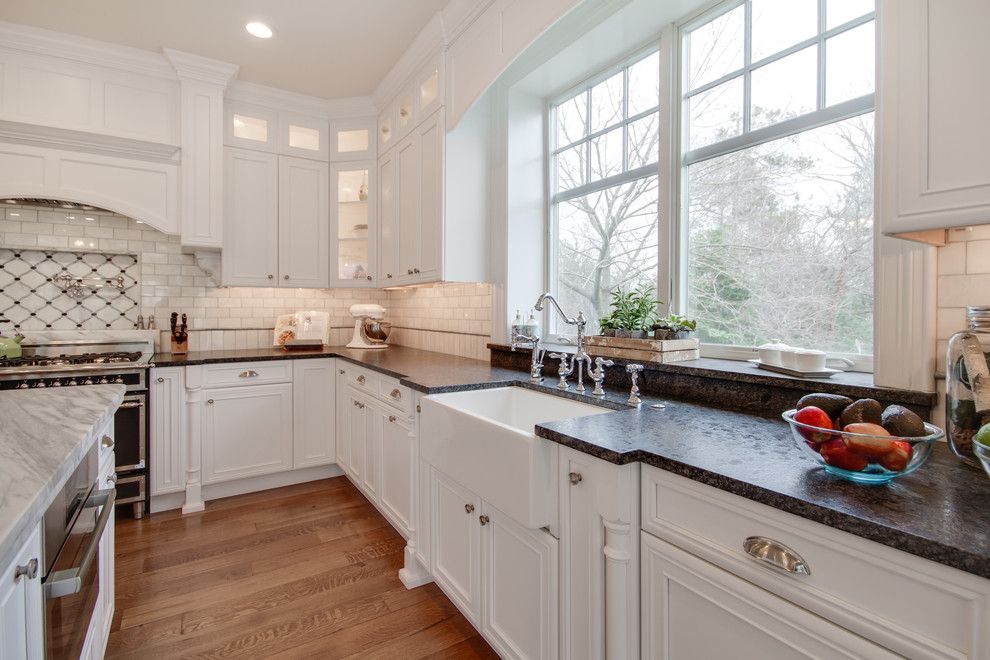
{"points": [[369, 278], [388, 276], [160, 379], [28, 570], [468, 508], [391, 418], [342, 372], [210, 401], [361, 379], [111, 479], [483, 519], [409, 271], [575, 478], [270, 276], [106, 441], [285, 277], [395, 394]]}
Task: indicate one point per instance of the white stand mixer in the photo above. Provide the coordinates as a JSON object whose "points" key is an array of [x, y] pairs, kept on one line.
{"points": [[369, 330]]}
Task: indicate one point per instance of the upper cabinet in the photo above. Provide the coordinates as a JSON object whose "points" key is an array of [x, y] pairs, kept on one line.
{"points": [[354, 225], [285, 133], [306, 137], [352, 139], [931, 114]]}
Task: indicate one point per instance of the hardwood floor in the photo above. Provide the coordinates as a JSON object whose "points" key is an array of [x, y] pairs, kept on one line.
{"points": [[307, 571]]}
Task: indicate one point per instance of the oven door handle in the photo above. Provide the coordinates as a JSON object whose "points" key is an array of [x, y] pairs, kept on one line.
{"points": [[69, 581], [132, 404]]}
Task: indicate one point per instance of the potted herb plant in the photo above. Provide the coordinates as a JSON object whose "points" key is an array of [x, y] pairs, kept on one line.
{"points": [[632, 314], [674, 327]]}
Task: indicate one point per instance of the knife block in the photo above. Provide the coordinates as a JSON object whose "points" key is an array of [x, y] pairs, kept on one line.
{"points": [[180, 347]]}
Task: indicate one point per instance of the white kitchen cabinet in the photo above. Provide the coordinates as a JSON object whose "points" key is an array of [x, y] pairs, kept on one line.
{"points": [[388, 243], [250, 127], [343, 418], [456, 543], [599, 557], [353, 139], [397, 444], [932, 132], [247, 431], [107, 565], [519, 587], [303, 136], [303, 223], [361, 444], [692, 609], [250, 237], [167, 440], [22, 603], [313, 437], [276, 220], [354, 224]]}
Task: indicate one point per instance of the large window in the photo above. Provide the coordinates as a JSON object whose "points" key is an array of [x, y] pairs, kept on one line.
{"points": [[604, 184], [777, 178]]}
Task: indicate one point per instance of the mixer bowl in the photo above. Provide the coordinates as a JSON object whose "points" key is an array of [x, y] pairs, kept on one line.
{"points": [[376, 331]]}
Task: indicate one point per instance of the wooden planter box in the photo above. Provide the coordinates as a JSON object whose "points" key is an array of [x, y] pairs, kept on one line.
{"points": [[661, 351]]}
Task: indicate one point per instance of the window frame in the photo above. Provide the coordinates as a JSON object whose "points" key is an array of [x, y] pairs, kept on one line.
{"points": [[565, 334], [822, 116]]}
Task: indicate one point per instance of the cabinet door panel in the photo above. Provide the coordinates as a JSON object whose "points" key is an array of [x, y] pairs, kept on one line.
{"points": [[247, 431], [357, 413], [250, 235], [343, 422], [388, 217], [429, 259], [693, 609], [397, 453], [107, 570], [407, 199], [166, 441], [519, 587], [456, 543], [313, 419], [21, 608], [303, 223], [354, 223], [371, 480]]}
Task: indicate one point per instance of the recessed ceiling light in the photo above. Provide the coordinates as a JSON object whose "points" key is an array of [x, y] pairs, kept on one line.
{"points": [[258, 29]]}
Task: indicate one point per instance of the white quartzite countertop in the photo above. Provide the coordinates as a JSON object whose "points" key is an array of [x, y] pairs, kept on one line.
{"points": [[43, 437]]}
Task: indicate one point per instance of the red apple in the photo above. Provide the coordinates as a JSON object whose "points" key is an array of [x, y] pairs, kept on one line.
{"points": [[870, 447], [814, 416], [897, 459], [836, 453]]}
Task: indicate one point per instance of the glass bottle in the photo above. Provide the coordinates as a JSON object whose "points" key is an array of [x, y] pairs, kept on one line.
{"points": [[967, 383]]}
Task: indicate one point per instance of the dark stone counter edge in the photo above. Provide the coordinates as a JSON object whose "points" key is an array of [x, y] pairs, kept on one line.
{"points": [[734, 372], [170, 360], [889, 536]]}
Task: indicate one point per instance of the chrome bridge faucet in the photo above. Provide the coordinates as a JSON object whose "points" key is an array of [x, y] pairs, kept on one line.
{"points": [[536, 363], [580, 360]]}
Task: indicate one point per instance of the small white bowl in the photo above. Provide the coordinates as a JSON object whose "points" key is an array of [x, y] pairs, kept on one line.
{"points": [[770, 352], [788, 358], [809, 360]]}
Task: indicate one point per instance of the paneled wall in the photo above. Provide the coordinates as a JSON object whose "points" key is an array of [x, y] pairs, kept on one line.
{"points": [[449, 318]]}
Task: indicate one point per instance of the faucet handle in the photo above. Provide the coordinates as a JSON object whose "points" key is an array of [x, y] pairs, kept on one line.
{"points": [[602, 362], [564, 370], [634, 369]]}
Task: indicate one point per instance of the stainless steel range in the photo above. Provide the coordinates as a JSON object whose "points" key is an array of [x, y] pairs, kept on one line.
{"points": [[82, 362]]}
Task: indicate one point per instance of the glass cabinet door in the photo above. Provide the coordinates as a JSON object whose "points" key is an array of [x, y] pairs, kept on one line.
{"points": [[353, 187]]}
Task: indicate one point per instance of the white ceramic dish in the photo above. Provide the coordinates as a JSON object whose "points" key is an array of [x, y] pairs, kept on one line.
{"points": [[824, 373]]}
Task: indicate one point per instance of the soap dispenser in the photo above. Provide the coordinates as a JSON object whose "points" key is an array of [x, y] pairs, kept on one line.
{"points": [[532, 325], [516, 328]]}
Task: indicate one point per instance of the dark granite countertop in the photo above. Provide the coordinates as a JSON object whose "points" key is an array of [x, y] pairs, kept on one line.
{"points": [[423, 371], [938, 513]]}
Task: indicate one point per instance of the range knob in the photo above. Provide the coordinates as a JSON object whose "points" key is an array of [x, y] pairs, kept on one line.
{"points": [[88, 381], [104, 380], [72, 382], [56, 383], [23, 386], [40, 384], [119, 380]]}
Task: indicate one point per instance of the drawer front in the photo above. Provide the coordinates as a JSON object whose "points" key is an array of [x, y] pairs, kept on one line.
{"points": [[248, 373], [398, 396], [913, 606], [365, 380]]}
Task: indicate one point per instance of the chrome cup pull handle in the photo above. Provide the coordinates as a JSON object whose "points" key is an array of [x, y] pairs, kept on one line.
{"points": [[395, 394], [250, 373], [776, 555]]}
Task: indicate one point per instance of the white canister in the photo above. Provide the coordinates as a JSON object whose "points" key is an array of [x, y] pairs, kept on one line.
{"points": [[770, 353], [788, 357], [809, 360]]}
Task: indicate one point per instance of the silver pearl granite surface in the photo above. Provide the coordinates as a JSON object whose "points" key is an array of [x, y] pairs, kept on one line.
{"points": [[43, 436]]}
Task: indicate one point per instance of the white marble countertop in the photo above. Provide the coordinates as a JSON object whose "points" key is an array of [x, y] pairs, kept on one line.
{"points": [[43, 437]]}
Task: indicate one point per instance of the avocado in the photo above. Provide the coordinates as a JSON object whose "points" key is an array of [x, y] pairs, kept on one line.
{"points": [[832, 404], [862, 410], [900, 421]]}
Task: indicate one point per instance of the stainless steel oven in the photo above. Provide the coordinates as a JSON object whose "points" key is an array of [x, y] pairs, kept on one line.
{"points": [[73, 525]]}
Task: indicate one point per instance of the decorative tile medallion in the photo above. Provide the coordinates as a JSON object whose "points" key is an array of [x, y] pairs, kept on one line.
{"points": [[42, 289]]}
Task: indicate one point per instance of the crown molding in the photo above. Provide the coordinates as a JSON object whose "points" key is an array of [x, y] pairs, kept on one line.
{"points": [[280, 99], [73, 140], [428, 43], [38, 41], [203, 69]]}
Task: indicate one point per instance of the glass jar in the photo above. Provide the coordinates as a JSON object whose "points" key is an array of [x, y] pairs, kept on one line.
{"points": [[967, 384]]}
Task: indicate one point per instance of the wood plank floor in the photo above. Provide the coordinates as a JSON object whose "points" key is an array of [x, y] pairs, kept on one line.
{"points": [[307, 571]]}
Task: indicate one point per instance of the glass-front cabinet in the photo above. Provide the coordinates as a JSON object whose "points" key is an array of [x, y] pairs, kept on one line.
{"points": [[353, 192]]}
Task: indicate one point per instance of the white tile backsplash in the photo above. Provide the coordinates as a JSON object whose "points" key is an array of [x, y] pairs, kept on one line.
{"points": [[449, 318]]}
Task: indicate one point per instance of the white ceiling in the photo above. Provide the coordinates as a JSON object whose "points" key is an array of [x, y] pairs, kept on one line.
{"points": [[325, 48]]}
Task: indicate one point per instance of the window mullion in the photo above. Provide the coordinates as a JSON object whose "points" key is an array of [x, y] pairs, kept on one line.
{"points": [[821, 55], [587, 132], [747, 63]]}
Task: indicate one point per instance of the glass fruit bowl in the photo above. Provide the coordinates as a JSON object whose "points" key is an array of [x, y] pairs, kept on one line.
{"points": [[865, 459], [982, 452]]}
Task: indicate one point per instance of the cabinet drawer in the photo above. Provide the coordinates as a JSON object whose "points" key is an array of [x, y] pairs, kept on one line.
{"points": [[249, 373], [398, 396], [364, 380], [913, 606]]}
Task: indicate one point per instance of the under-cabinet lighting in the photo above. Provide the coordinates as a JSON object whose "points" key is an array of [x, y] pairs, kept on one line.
{"points": [[258, 29], [10, 201], [70, 217], [90, 219], [139, 222], [14, 215]]}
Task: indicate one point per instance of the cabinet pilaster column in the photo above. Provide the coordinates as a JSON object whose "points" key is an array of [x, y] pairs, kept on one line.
{"points": [[194, 453], [619, 557]]}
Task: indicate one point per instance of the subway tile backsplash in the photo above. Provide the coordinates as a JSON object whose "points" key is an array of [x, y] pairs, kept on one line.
{"points": [[448, 318]]}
